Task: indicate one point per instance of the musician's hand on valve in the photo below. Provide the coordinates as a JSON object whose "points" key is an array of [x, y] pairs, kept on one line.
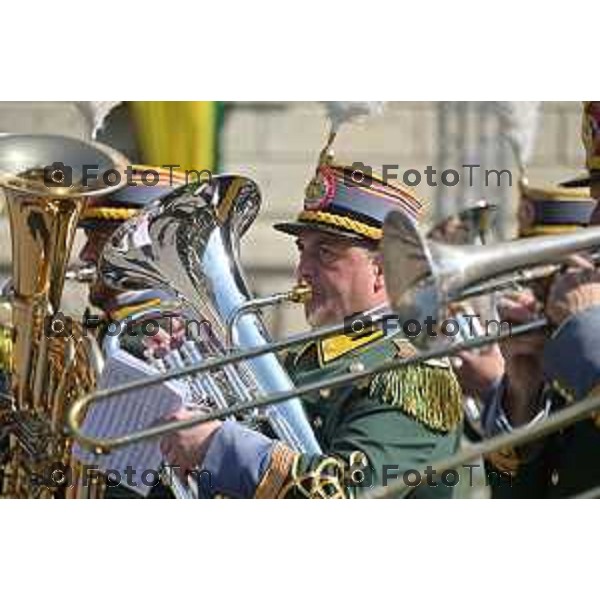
{"points": [[518, 308], [185, 449], [523, 357], [477, 371]]}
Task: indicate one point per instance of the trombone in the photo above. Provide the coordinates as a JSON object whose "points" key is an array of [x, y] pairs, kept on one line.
{"points": [[102, 446], [422, 277]]}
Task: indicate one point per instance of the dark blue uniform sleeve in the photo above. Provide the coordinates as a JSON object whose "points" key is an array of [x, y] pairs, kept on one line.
{"points": [[242, 463], [572, 356]]}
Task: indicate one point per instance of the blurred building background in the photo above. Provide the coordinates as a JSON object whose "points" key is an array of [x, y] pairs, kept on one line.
{"points": [[277, 144]]}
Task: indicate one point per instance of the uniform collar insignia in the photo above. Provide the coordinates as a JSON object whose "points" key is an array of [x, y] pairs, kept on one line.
{"points": [[332, 348]]}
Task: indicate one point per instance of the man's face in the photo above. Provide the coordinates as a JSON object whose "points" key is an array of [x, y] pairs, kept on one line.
{"points": [[99, 293], [345, 278]]}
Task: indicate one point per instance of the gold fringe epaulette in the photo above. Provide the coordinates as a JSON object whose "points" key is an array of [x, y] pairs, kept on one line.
{"points": [[6, 349], [429, 394]]}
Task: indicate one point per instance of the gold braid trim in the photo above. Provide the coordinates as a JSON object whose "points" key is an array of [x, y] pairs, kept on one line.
{"points": [[278, 470], [316, 484], [431, 395], [109, 214], [549, 230], [554, 192], [347, 223]]}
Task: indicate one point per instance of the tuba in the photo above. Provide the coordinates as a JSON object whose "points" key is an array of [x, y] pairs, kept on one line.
{"points": [[52, 360], [186, 246]]}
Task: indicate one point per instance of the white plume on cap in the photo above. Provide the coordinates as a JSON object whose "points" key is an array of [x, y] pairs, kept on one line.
{"points": [[96, 113], [519, 123], [340, 112]]}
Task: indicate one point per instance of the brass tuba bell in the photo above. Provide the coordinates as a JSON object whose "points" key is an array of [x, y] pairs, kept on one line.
{"points": [[46, 181]]}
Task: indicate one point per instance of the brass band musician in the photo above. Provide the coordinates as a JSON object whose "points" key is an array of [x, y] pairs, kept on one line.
{"points": [[548, 370], [392, 422]]}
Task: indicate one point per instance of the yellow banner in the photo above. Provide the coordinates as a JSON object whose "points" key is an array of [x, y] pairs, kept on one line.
{"points": [[178, 133]]}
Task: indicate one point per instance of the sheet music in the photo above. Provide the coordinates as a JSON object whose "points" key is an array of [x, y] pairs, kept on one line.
{"points": [[126, 413]]}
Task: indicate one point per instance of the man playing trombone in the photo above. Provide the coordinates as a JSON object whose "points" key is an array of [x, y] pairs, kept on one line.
{"points": [[545, 373], [403, 419]]}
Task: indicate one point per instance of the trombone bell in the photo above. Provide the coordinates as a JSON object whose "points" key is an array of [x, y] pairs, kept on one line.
{"points": [[423, 277]]}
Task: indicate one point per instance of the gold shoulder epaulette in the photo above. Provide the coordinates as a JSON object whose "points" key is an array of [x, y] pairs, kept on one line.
{"points": [[430, 394]]}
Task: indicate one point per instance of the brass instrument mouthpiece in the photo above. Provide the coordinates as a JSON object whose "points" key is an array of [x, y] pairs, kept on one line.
{"points": [[300, 293], [83, 274]]}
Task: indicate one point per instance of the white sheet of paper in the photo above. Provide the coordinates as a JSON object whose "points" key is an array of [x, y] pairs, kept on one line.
{"points": [[137, 465]]}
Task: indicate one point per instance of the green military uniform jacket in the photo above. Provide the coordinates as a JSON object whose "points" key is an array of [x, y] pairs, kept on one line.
{"points": [[400, 420]]}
